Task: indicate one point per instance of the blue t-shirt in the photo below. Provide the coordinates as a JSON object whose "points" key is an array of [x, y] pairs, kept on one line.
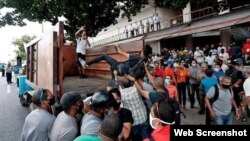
{"points": [[218, 74], [208, 82]]}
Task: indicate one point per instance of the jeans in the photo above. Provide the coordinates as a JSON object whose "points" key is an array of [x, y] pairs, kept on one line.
{"points": [[142, 130], [111, 61], [202, 100], [182, 93], [224, 120], [195, 89]]}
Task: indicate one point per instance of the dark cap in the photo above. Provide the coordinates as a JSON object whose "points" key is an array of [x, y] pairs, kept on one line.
{"points": [[69, 99]]}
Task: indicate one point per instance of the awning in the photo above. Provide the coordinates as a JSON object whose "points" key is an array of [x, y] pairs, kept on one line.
{"points": [[128, 40]]}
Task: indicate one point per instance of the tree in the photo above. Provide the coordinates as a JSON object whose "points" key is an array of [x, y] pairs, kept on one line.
{"points": [[95, 15], [20, 44]]}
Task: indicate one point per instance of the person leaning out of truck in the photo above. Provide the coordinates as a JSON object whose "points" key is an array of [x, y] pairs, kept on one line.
{"points": [[82, 45]]}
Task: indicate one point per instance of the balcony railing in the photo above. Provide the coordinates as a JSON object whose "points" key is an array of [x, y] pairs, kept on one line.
{"points": [[164, 24]]}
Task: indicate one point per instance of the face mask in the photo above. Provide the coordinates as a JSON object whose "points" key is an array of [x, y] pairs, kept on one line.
{"points": [[216, 69], [167, 81], [151, 118], [225, 86], [194, 65]]}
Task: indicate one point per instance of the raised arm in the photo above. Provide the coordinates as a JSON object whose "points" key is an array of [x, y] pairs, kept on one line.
{"points": [[77, 34], [120, 51], [150, 77], [142, 92]]}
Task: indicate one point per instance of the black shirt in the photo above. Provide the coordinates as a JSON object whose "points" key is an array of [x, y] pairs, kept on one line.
{"points": [[125, 115]]}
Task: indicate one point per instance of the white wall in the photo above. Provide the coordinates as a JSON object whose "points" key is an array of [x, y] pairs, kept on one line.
{"points": [[156, 47]]}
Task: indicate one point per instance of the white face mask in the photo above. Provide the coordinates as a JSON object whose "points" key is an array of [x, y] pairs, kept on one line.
{"points": [[167, 81], [151, 118], [216, 69], [194, 65]]}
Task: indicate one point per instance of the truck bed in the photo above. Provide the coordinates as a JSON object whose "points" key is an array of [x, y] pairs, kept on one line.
{"points": [[84, 86]]}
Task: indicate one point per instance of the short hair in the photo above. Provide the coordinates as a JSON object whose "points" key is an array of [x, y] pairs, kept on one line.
{"points": [[224, 77], [111, 126], [166, 111], [125, 82], [115, 90], [39, 96], [159, 82], [209, 72]]}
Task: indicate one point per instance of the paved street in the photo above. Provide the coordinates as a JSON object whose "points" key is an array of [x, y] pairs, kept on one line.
{"points": [[12, 114]]}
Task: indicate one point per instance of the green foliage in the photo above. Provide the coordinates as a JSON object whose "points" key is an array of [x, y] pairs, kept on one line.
{"points": [[95, 15], [19, 43], [172, 4]]}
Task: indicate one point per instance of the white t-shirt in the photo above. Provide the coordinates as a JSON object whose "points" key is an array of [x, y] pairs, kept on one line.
{"points": [[210, 60], [224, 56], [246, 86], [156, 19], [224, 67], [198, 56], [81, 46]]}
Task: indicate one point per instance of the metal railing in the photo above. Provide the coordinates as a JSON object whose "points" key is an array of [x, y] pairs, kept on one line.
{"points": [[163, 24]]}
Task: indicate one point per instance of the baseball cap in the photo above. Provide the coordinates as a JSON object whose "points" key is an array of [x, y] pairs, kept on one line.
{"points": [[70, 98]]}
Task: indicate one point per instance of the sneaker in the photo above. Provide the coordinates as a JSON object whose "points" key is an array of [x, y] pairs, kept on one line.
{"points": [[192, 106], [83, 63]]}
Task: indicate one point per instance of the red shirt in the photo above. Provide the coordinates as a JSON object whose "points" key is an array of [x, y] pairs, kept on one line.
{"points": [[162, 134], [246, 49], [158, 72], [169, 72]]}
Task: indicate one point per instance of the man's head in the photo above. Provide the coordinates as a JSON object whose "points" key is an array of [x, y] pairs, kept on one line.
{"points": [[162, 114], [204, 66], [159, 83], [225, 82], [72, 103], [209, 72], [117, 96], [248, 40], [217, 67], [111, 127], [222, 51], [246, 71], [101, 102], [156, 64], [43, 98], [124, 82], [168, 80]]}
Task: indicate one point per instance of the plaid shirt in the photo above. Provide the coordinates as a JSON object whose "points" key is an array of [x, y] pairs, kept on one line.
{"points": [[132, 101]]}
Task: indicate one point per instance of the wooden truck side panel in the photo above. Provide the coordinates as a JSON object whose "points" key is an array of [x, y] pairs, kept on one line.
{"points": [[42, 63]]}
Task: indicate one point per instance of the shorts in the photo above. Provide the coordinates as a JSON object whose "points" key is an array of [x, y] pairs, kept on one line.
{"points": [[79, 55]]}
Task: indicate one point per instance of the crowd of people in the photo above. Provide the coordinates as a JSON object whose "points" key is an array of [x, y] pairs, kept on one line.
{"points": [[136, 107], [146, 94], [150, 24]]}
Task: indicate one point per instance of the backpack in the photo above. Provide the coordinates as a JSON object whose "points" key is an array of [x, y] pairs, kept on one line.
{"points": [[216, 94], [176, 107]]}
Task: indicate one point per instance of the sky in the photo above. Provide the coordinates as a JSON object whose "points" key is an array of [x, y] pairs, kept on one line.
{"points": [[9, 33]]}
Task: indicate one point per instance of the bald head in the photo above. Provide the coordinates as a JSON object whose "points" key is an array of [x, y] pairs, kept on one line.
{"points": [[159, 82]]}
